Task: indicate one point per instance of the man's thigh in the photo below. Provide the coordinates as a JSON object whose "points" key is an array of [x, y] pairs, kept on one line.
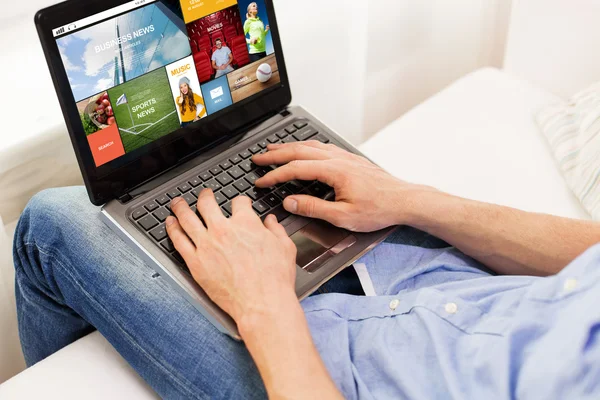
{"points": [[156, 330]]}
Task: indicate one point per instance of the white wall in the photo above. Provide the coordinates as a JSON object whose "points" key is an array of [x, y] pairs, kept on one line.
{"points": [[416, 48], [359, 65]]}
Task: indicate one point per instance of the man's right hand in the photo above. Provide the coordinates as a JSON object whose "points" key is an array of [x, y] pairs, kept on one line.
{"points": [[367, 198]]}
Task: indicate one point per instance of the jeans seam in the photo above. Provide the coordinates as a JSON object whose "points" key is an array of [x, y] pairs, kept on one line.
{"points": [[155, 360]]}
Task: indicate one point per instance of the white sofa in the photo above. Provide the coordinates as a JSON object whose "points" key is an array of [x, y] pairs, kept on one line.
{"points": [[477, 139]]}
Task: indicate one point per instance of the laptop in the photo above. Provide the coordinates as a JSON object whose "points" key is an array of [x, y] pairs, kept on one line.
{"points": [[163, 98]]}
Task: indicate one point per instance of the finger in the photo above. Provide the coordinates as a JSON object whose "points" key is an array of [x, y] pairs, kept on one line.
{"points": [[188, 220], [286, 154], [242, 205], [304, 170], [209, 209], [275, 227], [180, 240], [312, 207]]}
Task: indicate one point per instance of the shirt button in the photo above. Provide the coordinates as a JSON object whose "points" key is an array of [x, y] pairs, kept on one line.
{"points": [[394, 304], [570, 285], [451, 308]]}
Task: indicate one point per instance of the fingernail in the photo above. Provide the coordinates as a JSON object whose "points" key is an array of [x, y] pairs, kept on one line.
{"points": [[170, 221], [291, 205], [176, 201]]}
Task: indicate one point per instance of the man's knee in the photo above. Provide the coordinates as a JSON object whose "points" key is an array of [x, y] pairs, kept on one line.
{"points": [[47, 212]]}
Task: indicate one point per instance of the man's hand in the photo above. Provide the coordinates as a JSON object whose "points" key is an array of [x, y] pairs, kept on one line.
{"points": [[366, 197], [245, 267], [249, 270]]}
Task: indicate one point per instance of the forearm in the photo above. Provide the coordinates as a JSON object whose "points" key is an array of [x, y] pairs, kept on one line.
{"points": [[282, 348], [507, 240]]}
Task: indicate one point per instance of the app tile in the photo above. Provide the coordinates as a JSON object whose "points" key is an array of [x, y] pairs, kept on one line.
{"points": [[216, 95], [254, 78], [195, 9], [144, 109], [186, 91], [106, 145]]}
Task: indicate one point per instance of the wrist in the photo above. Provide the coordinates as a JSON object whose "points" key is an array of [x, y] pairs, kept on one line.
{"points": [[268, 315], [419, 206]]}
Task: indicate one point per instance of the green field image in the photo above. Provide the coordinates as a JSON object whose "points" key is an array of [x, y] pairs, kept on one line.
{"points": [[149, 113]]}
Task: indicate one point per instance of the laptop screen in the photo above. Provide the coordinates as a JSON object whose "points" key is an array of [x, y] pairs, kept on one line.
{"points": [[145, 69]]}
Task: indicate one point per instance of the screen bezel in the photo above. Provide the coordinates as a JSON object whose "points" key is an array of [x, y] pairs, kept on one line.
{"points": [[116, 178]]}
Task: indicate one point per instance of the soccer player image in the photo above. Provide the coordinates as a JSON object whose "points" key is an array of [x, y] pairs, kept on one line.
{"points": [[191, 106], [221, 59], [255, 28]]}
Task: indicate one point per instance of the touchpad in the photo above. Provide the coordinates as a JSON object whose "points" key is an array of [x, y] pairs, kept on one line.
{"points": [[318, 242]]}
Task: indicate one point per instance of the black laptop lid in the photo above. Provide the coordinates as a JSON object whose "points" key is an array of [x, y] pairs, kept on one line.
{"points": [[144, 84]]}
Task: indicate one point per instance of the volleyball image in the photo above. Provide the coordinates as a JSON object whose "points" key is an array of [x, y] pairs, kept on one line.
{"points": [[264, 73]]}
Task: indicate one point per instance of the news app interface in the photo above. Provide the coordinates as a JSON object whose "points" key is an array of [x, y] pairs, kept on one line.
{"points": [[144, 69]]}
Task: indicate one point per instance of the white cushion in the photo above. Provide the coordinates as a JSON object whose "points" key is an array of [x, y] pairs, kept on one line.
{"points": [[478, 139], [573, 133], [88, 369]]}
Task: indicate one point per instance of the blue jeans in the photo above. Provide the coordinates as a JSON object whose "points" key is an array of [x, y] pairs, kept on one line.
{"points": [[73, 276]]}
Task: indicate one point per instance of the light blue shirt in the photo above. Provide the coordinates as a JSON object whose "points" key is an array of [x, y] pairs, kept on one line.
{"points": [[440, 327], [221, 56]]}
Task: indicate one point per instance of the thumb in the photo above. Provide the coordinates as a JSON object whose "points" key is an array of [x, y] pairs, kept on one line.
{"points": [[312, 207]]}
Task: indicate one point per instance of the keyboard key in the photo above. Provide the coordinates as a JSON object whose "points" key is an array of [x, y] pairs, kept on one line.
{"points": [[273, 200], [159, 233], [294, 187], [178, 258], [242, 185], [221, 199], [306, 133], [195, 182], [216, 171], [148, 222], [236, 160], [189, 198], [254, 149], [236, 172], [263, 144], [280, 213], [230, 192], [173, 193], [251, 178], [317, 190], [226, 165], [291, 129], [139, 213], [247, 166], [260, 207], [281, 134], [273, 139], [322, 139], [227, 208], [196, 192], [225, 213], [283, 192], [214, 185], [300, 124], [255, 193], [289, 139], [245, 154], [184, 188], [262, 171], [162, 200], [161, 214], [224, 179], [206, 176], [151, 206], [168, 245]]}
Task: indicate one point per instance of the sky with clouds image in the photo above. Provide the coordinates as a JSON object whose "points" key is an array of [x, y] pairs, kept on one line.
{"points": [[151, 40]]}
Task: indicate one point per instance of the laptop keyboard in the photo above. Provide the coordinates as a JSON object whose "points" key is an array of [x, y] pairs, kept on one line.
{"points": [[228, 179]]}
